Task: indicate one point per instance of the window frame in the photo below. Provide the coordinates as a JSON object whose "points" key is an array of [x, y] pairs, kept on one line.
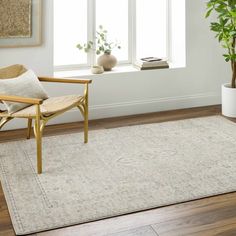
{"points": [[132, 41]]}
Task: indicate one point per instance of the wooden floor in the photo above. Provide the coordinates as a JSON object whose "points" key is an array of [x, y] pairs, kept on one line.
{"points": [[205, 217]]}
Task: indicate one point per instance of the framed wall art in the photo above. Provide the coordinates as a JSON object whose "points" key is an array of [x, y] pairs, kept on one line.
{"points": [[20, 23]]}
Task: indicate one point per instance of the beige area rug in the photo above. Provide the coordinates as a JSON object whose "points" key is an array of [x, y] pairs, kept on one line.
{"points": [[119, 171]]}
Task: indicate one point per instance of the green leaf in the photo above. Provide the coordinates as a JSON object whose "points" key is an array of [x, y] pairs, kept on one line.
{"points": [[233, 13], [225, 24], [79, 46], [208, 13]]}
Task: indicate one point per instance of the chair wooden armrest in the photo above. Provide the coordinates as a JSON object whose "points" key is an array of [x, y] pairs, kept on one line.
{"points": [[10, 98], [69, 81]]}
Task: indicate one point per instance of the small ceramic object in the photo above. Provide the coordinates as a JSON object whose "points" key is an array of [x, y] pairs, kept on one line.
{"points": [[97, 69], [107, 60]]}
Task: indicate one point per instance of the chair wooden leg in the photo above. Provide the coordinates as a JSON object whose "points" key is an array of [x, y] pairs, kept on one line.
{"points": [[29, 128], [38, 136], [4, 120], [86, 116], [86, 124]]}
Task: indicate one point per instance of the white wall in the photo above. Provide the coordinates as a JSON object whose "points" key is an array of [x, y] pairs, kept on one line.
{"points": [[139, 92]]}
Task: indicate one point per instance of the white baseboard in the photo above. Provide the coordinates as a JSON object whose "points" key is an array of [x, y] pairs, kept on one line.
{"points": [[130, 108]]}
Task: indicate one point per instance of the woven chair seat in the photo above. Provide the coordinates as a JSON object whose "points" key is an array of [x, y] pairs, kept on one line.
{"points": [[49, 107]]}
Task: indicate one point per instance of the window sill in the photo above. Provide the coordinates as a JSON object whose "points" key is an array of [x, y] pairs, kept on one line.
{"points": [[116, 70]]}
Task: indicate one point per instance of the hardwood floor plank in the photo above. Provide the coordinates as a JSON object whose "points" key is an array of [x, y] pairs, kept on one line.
{"points": [[217, 229], [9, 232], [226, 230], [6, 227], [143, 231], [199, 223]]}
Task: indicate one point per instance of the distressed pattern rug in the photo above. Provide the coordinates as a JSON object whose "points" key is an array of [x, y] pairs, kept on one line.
{"points": [[119, 171]]}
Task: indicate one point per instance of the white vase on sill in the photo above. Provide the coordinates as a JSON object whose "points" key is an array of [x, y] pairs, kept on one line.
{"points": [[107, 61]]}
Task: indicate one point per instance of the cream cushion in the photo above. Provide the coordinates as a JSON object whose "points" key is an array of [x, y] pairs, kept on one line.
{"points": [[25, 85], [2, 107], [10, 72]]}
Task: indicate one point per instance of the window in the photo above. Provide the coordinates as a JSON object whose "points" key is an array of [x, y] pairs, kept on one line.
{"points": [[70, 27], [142, 28], [151, 22], [113, 15]]}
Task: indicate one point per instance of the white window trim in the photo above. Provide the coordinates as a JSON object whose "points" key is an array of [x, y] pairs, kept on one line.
{"points": [[169, 30], [91, 28], [132, 31], [132, 42]]}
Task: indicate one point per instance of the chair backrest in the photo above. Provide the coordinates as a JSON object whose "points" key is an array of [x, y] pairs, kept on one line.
{"points": [[12, 71]]}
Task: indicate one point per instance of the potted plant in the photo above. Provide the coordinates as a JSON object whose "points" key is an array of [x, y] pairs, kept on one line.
{"points": [[107, 61], [225, 29]]}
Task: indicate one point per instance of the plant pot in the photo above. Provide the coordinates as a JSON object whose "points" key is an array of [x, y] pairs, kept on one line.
{"points": [[228, 101], [107, 61]]}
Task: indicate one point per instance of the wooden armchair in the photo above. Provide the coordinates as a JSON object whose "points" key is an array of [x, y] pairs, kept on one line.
{"points": [[41, 111]]}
